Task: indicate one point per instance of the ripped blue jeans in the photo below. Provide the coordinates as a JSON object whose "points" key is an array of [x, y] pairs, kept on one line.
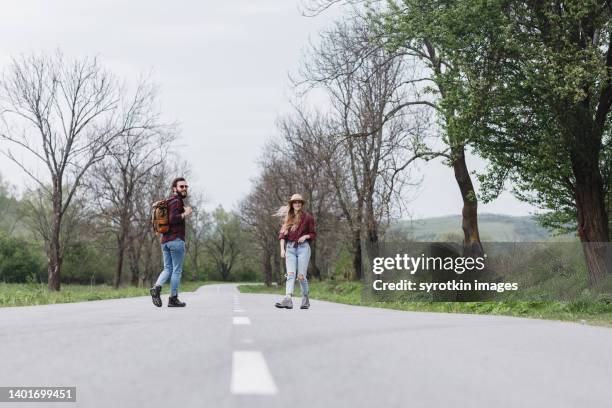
{"points": [[297, 257]]}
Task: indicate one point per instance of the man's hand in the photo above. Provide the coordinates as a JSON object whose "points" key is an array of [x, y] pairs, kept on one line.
{"points": [[187, 212], [303, 238]]}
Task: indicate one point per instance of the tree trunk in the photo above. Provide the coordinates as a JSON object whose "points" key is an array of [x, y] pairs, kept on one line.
{"points": [[609, 208], [313, 269], [55, 250], [148, 266], [224, 272], [134, 275], [593, 225], [121, 241], [195, 268], [119, 265], [372, 225], [472, 246], [267, 266], [134, 257], [277, 267], [118, 268], [54, 267], [134, 269], [357, 267], [585, 149], [371, 234]]}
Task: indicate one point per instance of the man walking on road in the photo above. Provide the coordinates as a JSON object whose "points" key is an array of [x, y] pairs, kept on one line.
{"points": [[173, 245]]}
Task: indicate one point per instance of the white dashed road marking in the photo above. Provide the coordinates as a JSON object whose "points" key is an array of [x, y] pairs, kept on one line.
{"points": [[250, 374], [241, 320]]}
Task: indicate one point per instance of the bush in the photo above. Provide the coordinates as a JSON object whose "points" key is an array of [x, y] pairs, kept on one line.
{"points": [[85, 264], [19, 262], [247, 274]]}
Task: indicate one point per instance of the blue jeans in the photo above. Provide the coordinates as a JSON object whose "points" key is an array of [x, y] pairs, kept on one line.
{"points": [[174, 255], [297, 257]]}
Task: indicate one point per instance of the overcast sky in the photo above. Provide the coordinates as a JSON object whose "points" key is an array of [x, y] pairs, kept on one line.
{"points": [[222, 70]]}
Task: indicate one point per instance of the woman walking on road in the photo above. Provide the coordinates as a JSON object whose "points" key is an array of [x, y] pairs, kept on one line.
{"points": [[296, 233]]}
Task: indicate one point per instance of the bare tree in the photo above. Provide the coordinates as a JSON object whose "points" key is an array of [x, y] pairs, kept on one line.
{"points": [[312, 8], [261, 225], [434, 69], [378, 129], [143, 245], [306, 146], [65, 115], [269, 192], [295, 162], [37, 214], [125, 171]]}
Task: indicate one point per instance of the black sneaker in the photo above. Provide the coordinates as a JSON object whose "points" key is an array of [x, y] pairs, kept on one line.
{"points": [[155, 292], [305, 302], [173, 301]]}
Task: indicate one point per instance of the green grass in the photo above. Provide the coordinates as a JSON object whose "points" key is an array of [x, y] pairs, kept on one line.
{"points": [[595, 311], [27, 294]]}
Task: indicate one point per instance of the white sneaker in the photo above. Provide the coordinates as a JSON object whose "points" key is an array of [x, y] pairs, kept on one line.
{"points": [[286, 303]]}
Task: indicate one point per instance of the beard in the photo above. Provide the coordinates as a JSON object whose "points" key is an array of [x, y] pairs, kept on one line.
{"points": [[183, 193]]}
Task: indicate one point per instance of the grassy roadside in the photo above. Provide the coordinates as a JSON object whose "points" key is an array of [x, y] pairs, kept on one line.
{"points": [[28, 294], [592, 312]]}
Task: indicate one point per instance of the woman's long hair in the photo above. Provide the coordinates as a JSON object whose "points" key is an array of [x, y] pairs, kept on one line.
{"points": [[291, 218]]}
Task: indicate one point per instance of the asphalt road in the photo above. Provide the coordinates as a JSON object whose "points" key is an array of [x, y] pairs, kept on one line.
{"points": [[227, 349]]}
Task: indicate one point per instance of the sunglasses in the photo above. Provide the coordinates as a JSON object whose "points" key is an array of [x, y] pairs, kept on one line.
{"points": [[182, 187]]}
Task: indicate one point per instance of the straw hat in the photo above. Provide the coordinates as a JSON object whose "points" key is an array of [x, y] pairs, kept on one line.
{"points": [[282, 211], [296, 197]]}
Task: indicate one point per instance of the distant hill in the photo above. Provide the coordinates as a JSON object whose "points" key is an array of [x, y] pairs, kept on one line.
{"points": [[493, 227]]}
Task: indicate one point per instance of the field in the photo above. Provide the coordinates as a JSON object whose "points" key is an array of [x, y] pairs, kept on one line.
{"points": [[493, 227]]}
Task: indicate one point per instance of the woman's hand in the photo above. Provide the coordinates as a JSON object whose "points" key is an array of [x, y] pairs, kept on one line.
{"points": [[282, 252], [303, 238]]}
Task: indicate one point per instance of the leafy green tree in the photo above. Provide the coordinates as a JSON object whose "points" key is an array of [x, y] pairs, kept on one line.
{"points": [[530, 87], [538, 105], [419, 29]]}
